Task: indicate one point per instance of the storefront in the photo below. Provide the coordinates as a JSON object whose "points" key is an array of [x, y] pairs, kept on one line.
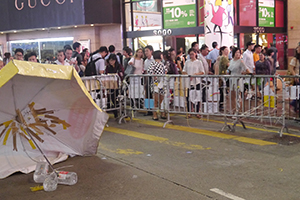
{"points": [[178, 23], [47, 26]]}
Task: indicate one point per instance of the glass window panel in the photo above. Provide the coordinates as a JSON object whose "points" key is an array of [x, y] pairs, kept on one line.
{"points": [[147, 15], [26, 46], [50, 48]]}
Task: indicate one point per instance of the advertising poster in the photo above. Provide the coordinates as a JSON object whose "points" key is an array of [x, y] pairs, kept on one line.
{"points": [[266, 13], [144, 19], [179, 13], [219, 23]]}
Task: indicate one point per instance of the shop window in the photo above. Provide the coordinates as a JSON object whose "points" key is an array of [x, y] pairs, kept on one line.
{"points": [[147, 15], [155, 41], [27, 46], [44, 48], [247, 13], [49, 49]]}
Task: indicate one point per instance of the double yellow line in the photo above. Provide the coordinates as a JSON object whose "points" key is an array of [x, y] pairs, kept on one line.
{"points": [[185, 129]]}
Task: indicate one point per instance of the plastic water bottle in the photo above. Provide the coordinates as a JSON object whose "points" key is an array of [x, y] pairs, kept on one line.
{"points": [[67, 178], [50, 183], [41, 172]]}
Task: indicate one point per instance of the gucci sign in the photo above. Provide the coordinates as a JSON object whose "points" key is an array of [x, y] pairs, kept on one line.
{"points": [[19, 4]]}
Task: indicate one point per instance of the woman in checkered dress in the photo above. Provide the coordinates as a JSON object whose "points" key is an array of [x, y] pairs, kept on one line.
{"points": [[157, 84]]}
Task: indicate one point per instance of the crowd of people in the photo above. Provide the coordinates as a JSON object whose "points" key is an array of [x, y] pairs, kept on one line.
{"points": [[199, 60]]}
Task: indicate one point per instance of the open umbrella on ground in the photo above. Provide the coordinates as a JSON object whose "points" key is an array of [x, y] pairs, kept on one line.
{"points": [[46, 107]]}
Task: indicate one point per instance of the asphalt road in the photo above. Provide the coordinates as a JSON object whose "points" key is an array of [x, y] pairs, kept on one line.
{"points": [[189, 160]]}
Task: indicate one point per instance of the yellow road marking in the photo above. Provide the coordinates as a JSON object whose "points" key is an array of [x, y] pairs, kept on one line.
{"points": [[126, 152], [248, 127], [154, 138], [207, 133]]}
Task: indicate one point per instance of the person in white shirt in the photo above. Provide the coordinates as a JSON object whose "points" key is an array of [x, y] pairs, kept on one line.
{"points": [[147, 80], [61, 58], [193, 67], [136, 90], [100, 64], [68, 53], [249, 62], [248, 57]]}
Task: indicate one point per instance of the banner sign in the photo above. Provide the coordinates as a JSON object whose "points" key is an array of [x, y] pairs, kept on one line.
{"points": [[31, 14], [219, 23], [266, 13], [34, 14], [179, 13]]}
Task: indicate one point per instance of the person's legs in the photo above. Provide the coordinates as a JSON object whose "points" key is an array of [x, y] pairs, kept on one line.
{"points": [[156, 101]]}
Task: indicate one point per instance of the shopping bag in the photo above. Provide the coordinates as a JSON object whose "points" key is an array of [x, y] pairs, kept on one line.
{"points": [[195, 96]]}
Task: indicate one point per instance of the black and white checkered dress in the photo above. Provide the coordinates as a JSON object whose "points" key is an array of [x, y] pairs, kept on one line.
{"points": [[157, 83]]}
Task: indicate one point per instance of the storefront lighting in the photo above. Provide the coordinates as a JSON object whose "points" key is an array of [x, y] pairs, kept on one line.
{"points": [[2, 33], [59, 28], [45, 40], [15, 31], [75, 26], [92, 24], [43, 29]]}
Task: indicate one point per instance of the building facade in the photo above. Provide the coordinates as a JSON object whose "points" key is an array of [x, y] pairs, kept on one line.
{"points": [[45, 26], [177, 23]]}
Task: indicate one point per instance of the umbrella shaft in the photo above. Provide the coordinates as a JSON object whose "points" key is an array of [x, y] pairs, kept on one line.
{"points": [[41, 151]]}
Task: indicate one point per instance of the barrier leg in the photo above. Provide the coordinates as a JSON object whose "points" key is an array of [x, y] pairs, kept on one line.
{"points": [[169, 121]]}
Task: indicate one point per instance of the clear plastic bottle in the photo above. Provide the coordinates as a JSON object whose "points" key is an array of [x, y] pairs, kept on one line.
{"points": [[41, 172], [67, 178], [50, 183]]}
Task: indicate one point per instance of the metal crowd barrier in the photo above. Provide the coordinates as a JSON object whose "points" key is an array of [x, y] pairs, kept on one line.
{"points": [[232, 97], [292, 96], [106, 91]]}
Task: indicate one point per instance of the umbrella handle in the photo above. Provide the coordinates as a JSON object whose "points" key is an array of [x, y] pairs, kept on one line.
{"points": [[35, 143]]}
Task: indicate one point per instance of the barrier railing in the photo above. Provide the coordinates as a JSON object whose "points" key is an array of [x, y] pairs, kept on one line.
{"points": [[106, 91], [259, 97], [232, 97], [292, 96]]}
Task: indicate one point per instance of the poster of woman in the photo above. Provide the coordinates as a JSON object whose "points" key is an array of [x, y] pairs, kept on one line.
{"points": [[219, 22]]}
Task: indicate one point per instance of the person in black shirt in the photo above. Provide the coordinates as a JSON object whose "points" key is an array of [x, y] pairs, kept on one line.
{"points": [[113, 67]]}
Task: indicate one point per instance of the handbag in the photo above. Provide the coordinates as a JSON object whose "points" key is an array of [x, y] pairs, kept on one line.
{"points": [[130, 69]]}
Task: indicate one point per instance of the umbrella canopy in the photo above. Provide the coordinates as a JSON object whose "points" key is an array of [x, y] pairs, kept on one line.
{"points": [[49, 105]]}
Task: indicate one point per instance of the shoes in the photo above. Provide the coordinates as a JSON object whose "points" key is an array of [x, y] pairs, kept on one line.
{"points": [[148, 113], [163, 116]]}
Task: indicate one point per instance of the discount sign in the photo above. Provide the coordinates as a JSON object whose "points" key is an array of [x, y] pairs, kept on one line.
{"points": [[179, 14], [266, 13]]}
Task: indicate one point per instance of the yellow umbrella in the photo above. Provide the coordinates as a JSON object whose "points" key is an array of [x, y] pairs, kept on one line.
{"points": [[45, 106]]}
